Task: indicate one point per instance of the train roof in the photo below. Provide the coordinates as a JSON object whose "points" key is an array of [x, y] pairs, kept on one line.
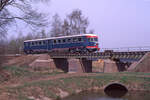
{"points": [[60, 37]]}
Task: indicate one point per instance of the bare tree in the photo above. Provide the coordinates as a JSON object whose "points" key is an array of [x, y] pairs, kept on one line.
{"points": [[65, 28], [41, 34], [26, 14], [56, 26], [77, 22]]}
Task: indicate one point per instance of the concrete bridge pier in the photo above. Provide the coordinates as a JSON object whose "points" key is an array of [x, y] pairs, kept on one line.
{"points": [[61, 63], [86, 65], [73, 65], [115, 66], [122, 66], [80, 65]]}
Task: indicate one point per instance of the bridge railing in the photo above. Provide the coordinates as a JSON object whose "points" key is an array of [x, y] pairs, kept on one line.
{"points": [[127, 49]]}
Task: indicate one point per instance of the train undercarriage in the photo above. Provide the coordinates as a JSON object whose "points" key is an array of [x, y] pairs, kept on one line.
{"points": [[70, 50]]}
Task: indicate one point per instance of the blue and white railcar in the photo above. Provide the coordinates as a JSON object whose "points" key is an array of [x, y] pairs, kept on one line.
{"points": [[75, 43]]}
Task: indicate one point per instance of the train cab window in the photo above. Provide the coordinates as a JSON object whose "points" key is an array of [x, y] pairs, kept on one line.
{"points": [[91, 39], [95, 39]]}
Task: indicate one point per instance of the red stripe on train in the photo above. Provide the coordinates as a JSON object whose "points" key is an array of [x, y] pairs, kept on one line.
{"points": [[92, 47], [92, 36]]}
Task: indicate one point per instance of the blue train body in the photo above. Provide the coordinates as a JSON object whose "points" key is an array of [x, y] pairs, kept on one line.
{"points": [[75, 43]]}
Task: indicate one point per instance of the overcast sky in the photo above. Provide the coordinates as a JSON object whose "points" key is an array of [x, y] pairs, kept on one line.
{"points": [[118, 23]]}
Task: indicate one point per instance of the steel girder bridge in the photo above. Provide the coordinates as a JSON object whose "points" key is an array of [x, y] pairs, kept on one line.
{"points": [[132, 56]]}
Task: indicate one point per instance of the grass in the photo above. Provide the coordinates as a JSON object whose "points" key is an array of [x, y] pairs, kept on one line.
{"points": [[50, 88], [18, 71], [26, 72]]}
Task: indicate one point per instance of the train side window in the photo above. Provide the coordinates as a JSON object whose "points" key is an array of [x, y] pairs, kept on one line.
{"points": [[29, 44], [59, 41], [40, 42], [32, 43], [74, 39], [89, 39], [25, 44], [49, 41], [64, 40], [44, 42], [54, 41], [79, 39], [36, 43], [69, 40]]}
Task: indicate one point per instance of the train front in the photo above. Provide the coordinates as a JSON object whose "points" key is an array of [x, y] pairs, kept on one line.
{"points": [[92, 43]]}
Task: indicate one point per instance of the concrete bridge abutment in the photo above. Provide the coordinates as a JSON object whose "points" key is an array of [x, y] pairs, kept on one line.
{"points": [[111, 66]]}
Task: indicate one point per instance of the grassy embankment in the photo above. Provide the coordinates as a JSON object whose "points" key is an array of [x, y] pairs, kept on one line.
{"points": [[43, 85]]}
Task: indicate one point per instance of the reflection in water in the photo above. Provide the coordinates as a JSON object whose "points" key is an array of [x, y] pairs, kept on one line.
{"points": [[102, 96], [116, 93]]}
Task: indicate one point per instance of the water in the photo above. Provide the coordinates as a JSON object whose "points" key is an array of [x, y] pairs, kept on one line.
{"points": [[102, 96]]}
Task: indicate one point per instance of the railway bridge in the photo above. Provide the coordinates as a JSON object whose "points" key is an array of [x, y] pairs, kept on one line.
{"points": [[84, 60]]}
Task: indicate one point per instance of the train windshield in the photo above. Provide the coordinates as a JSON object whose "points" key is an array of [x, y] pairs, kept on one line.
{"points": [[95, 39]]}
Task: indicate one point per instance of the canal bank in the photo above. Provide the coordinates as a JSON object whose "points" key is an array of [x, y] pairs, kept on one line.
{"points": [[52, 89]]}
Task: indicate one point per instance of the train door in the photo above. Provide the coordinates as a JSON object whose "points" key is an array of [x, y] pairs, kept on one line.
{"points": [[50, 45]]}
